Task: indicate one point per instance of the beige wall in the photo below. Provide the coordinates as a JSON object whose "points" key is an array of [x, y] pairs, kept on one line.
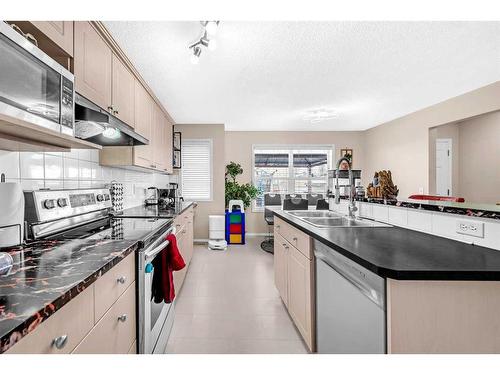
{"points": [[450, 131], [239, 149], [479, 159], [402, 145], [216, 206]]}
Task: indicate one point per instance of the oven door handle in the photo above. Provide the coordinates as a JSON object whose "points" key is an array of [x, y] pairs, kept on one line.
{"points": [[151, 253]]}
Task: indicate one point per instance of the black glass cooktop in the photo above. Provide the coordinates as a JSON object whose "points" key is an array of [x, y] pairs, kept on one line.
{"points": [[143, 230]]}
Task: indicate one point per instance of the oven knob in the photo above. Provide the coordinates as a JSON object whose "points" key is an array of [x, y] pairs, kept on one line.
{"points": [[100, 197], [106, 197], [49, 204], [62, 202]]}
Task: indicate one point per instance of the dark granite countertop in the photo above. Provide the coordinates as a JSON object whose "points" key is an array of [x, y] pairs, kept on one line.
{"points": [[155, 211], [48, 274], [404, 254]]}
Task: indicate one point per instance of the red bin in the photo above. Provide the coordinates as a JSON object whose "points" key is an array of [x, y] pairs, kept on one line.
{"points": [[234, 228]]}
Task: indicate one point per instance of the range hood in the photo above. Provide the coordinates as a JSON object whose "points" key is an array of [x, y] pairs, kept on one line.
{"points": [[95, 125]]}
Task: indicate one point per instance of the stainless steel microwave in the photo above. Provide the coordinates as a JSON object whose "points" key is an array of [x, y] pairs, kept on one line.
{"points": [[34, 87]]}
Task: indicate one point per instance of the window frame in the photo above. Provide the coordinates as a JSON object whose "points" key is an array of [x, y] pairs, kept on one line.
{"points": [[290, 148], [208, 141]]}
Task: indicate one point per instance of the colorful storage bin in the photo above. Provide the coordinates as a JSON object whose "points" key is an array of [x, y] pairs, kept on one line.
{"points": [[235, 227]]}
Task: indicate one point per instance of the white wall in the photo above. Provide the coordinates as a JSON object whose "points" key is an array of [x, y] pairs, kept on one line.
{"points": [[75, 169]]}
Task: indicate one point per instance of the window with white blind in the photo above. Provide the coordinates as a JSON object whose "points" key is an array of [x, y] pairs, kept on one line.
{"points": [[196, 173], [291, 169]]}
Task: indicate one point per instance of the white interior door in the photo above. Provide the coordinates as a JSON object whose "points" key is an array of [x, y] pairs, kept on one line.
{"points": [[443, 166]]}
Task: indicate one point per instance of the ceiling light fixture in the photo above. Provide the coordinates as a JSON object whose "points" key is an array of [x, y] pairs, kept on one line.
{"points": [[318, 115], [206, 40]]}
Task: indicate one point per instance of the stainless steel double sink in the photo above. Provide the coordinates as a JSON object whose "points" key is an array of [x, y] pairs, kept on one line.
{"points": [[329, 219]]}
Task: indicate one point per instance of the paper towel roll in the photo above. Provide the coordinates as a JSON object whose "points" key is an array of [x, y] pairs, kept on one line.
{"points": [[12, 214]]}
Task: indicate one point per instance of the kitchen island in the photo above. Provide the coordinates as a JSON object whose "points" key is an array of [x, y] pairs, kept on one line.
{"points": [[441, 295]]}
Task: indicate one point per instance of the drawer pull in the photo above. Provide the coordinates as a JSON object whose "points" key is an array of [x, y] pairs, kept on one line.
{"points": [[60, 342], [122, 318], [294, 239], [121, 280]]}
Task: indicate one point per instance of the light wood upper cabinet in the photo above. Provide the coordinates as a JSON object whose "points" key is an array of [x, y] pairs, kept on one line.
{"points": [[168, 139], [143, 105], [60, 32], [92, 65], [123, 93]]}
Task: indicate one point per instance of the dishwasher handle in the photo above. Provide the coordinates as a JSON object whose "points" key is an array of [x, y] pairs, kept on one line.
{"points": [[376, 296]]}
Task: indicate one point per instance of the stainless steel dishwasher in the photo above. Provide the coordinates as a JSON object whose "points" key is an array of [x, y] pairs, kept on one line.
{"points": [[350, 305]]}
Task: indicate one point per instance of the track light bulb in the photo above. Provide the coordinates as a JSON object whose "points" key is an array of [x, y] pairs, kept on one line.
{"points": [[211, 27]]}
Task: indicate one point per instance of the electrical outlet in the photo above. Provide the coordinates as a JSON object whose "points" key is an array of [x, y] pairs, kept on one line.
{"points": [[470, 228]]}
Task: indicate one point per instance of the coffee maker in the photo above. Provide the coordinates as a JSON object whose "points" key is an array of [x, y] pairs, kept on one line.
{"points": [[170, 197]]}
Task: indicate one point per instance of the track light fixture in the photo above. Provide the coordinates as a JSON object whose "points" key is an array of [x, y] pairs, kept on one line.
{"points": [[206, 40]]}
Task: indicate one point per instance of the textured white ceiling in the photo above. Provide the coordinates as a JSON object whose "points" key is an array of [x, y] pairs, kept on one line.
{"points": [[268, 75]]}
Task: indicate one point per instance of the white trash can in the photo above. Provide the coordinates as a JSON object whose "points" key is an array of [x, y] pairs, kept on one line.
{"points": [[217, 232]]}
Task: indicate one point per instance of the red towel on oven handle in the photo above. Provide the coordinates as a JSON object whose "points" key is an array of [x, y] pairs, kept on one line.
{"points": [[171, 261]]}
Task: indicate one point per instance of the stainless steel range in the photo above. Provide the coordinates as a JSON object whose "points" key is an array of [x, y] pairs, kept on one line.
{"points": [[85, 214]]}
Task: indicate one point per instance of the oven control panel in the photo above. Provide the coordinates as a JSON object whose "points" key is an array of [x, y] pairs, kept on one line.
{"points": [[47, 205]]}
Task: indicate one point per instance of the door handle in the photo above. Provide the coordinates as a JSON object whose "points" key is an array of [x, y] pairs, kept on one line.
{"points": [[60, 342]]}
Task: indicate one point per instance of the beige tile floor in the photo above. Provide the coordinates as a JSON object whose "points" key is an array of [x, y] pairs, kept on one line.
{"points": [[229, 304]]}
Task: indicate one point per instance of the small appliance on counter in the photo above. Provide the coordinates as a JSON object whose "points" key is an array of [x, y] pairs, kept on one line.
{"points": [[170, 197], [12, 217], [152, 196]]}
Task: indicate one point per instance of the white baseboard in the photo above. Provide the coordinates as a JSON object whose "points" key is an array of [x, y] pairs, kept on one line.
{"points": [[257, 234], [265, 234]]}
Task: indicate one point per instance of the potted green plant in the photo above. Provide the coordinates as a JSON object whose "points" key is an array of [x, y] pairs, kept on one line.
{"points": [[234, 190]]}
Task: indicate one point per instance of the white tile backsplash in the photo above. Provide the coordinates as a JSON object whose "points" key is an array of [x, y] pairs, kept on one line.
{"points": [[31, 165], [436, 223], [70, 169], [73, 170], [10, 164], [53, 167]]}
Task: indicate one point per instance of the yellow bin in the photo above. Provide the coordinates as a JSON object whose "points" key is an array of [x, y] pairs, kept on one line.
{"points": [[235, 238]]}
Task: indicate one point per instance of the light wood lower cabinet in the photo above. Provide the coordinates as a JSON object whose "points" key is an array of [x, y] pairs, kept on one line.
{"points": [[112, 285], [78, 326], [69, 325], [116, 331], [294, 277], [184, 226], [281, 267], [300, 292], [452, 317]]}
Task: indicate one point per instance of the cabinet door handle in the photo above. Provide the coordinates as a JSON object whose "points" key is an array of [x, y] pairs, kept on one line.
{"points": [[121, 280], [115, 111], [294, 239], [110, 108], [60, 342], [122, 318], [277, 227]]}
